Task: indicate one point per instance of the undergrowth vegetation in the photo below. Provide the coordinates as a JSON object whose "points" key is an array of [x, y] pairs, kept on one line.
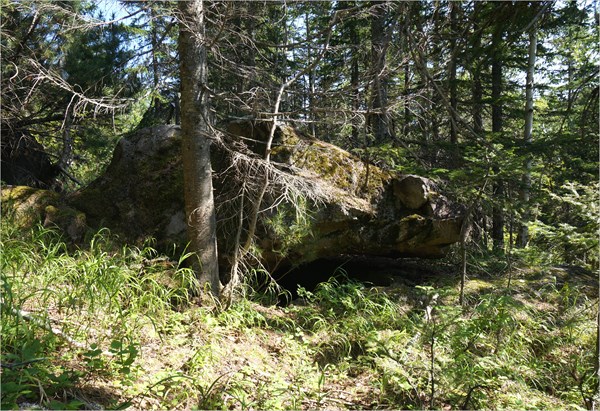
{"points": [[117, 327]]}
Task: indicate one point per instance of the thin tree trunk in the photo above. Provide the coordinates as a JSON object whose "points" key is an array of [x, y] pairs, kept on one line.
{"points": [[195, 129], [498, 190], [523, 234], [498, 216], [596, 400], [433, 103], [354, 78], [480, 232], [406, 128], [284, 102], [379, 43], [452, 69], [66, 156], [311, 84], [463, 273], [477, 90], [155, 74], [404, 51]]}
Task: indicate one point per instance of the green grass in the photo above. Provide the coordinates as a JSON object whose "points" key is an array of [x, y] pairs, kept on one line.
{"points": [[128, 334]]}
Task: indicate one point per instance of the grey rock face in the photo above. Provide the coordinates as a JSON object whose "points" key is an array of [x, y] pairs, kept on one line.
{"points": [[365, 210]]}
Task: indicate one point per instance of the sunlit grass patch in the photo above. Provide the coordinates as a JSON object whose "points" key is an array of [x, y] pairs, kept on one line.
{"points": [[72, 315], [111, 325]]}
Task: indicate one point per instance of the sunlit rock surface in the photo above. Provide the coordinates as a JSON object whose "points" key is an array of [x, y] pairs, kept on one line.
{"points": [[28, 206], [354, 207]]}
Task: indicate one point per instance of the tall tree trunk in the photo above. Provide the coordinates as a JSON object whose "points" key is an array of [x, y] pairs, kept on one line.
{"points": [[479, 231], [155, 74], [477, 93], [477, 90], [596, 400], [498, 189], [405, 52], [523, 234], [66, 155], [379, 122], [452, 75], [354, 78], [246, 81], [434, 50], [195, 129], [283, 61], [311, 83]]}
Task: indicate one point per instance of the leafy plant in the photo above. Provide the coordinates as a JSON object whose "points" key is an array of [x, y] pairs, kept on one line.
{"points": [[575, 240], [112, 295]]}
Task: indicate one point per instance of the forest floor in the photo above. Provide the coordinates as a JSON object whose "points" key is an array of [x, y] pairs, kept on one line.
{"points": [[126, 335]]}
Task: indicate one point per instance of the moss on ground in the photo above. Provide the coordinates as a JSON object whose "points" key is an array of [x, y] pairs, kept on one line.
{"points": [[343, 345]]}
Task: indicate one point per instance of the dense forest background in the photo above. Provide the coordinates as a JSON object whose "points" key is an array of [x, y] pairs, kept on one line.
{"points": [[438, 89], [498, 102]]}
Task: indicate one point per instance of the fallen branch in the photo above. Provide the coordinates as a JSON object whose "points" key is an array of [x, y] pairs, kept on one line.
{"points": [[46, 325], [71, 177], [22, 364]]}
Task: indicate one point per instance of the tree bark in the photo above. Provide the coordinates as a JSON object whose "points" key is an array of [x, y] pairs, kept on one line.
{"points": [[498, 189], [355, 78], [195, 129], [379, 43], [311, 84], [479, 232], [452, 74], [523, 234], [477, 90], [596, 400], [155, 74], [66, 155]]}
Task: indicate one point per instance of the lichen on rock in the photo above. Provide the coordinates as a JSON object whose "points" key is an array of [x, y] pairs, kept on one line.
{"points": [[29, 206], [26, 205], [361, 209]]}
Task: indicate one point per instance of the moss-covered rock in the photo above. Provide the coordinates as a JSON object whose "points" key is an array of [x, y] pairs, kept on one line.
{"points": [[141, 193], [28, 206], [314, 159], [371, 211], [362, 209]]}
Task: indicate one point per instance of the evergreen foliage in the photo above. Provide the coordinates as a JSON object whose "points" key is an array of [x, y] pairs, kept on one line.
{"points": [[432, 88]]}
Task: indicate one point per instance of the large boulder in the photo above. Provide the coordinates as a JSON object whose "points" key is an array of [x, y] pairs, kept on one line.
{"points": [[140, 195], [348, 206]]}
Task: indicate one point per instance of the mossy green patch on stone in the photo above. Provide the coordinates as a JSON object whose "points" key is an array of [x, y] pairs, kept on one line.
{"points": [[341, 169], [28, 195], [29, 206], [67, 219], [26, 204], [412, 217]]}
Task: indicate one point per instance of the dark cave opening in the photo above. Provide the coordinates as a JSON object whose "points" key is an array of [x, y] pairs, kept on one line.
{"points": [[374, 271]]}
